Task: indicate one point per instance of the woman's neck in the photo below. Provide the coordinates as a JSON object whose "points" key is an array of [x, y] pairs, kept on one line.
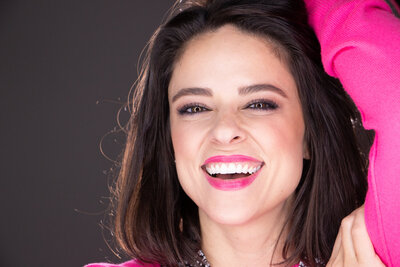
{"points": [[249, 244]]}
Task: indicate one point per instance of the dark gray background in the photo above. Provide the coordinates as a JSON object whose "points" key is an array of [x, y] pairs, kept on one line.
{"points": [[65, 69], [57, 59]]}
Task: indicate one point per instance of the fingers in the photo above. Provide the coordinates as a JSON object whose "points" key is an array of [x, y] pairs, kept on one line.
{"points": [[364, 250], [337, 257], [353, 246], [347, 240], [343, 253], [359, 233], [336, 248]]}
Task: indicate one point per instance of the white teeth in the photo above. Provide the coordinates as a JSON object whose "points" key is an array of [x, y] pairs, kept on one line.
{"points": [[217, 169], [244, 170], [230, 168], [224, 169], [239, 168]]}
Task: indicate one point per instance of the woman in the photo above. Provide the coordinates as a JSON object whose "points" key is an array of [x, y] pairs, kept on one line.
{"points": [[241, 149]]}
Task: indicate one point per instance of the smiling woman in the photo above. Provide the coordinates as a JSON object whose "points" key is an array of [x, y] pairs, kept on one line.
{"points": [[243, 151], [247, 114]]}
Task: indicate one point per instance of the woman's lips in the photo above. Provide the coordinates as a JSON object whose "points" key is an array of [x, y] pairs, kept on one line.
{"points": [[233, 172], [231, 158]]}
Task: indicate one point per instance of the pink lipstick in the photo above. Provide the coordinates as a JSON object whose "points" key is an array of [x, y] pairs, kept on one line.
{"points": [[229, 173]]}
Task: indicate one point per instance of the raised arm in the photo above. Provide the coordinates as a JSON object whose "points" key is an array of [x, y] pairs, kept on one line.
{"points": [[360, 45]]}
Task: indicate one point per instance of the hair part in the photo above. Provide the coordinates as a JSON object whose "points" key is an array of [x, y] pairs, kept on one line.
{"points": [[156, 221]]}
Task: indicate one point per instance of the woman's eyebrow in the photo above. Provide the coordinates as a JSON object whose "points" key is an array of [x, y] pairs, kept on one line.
{"points": [[260, 87], [242, 91], [192, 91]]}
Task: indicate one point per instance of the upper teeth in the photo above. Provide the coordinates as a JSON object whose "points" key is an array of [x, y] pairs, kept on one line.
{"points": [[231, 168]]}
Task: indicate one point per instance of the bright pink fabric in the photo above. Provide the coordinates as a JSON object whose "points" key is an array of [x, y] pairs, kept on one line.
{"points": [[360, 43], [132, 263]]}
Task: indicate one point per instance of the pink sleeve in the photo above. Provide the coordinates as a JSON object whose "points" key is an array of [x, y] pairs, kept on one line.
{"points": [[132, 263], [360, 45]]}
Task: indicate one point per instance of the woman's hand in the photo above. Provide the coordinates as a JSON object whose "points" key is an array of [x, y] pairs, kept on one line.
{"points": [[353, 246]]}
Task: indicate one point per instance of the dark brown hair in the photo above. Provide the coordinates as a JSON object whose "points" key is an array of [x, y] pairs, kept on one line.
{"points": [[156, 221]]}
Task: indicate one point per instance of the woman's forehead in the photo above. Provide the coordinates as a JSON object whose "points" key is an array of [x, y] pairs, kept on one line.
{"points": [[230, 57]]}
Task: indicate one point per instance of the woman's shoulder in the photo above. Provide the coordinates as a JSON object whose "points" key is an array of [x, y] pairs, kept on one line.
{"points": [[131, 263]]}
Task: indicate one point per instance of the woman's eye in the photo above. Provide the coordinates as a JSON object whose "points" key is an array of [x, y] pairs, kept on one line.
{"points": [[262, 105], [191, 109]]}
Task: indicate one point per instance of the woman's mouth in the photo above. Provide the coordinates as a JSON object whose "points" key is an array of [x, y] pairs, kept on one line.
{"points": [[231, 172]]}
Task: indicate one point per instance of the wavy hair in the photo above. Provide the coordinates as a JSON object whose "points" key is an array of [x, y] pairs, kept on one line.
{"points": [[155, 221]]}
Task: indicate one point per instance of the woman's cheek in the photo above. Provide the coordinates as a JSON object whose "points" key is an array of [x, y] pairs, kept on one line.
{"points": [[186, 137]]}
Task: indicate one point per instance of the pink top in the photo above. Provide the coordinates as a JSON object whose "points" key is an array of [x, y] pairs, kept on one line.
{"points": [[360, 42], [131, 263]]}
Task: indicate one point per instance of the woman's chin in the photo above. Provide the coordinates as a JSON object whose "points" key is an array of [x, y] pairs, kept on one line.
{"points": [[228, 215]]}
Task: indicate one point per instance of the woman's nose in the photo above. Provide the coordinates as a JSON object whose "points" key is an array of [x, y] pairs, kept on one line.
{"points": [[227, 129]]}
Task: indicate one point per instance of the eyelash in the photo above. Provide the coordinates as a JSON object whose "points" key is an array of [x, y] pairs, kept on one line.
{"points": [[266, 105], [184, 110]]}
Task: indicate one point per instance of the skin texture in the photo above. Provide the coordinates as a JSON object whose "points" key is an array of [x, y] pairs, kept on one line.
{"points": [[246, 221]]}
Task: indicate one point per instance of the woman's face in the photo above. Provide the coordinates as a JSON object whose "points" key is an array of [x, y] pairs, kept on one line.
{"points": [[237, 126]]}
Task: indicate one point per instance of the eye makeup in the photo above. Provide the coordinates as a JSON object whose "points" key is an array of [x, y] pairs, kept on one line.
{"points": [[262, 104], [192, 109], [195, 108]]}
